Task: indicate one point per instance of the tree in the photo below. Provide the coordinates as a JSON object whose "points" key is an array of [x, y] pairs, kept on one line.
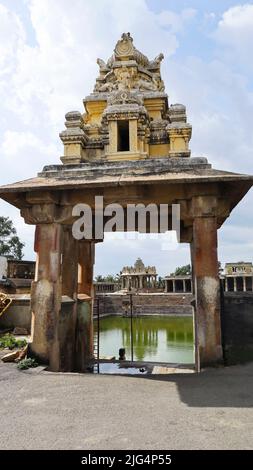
{"points": [[182, 270], [10, 244], [160, 282], [108, 278]]}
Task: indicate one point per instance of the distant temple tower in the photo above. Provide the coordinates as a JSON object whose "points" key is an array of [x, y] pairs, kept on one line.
{"points": [[127, 115], [138, 276]]}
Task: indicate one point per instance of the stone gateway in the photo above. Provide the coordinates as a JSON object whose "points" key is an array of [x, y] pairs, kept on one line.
{"points": [[129, 146]]}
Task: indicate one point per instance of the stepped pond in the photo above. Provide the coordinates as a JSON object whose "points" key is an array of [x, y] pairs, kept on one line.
{"points": [[155, 338]]}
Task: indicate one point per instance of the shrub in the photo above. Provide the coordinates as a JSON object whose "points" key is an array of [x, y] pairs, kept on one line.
{"points": [[9, 341]]}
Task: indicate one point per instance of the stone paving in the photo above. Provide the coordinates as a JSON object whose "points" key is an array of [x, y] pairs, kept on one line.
{"points": [[43, 410]]}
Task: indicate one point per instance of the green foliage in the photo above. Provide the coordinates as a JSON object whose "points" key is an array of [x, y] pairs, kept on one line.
{"points": [[9, 341], [108, 278], [182, 270], [160, 282], [10, 244], [27, 363]]}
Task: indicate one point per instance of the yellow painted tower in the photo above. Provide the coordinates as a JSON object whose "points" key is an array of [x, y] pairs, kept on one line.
{"points": [[127, 116]]}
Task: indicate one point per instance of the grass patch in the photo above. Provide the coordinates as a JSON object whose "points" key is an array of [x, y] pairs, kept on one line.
{"points": [[9, 341], [27, 363]]}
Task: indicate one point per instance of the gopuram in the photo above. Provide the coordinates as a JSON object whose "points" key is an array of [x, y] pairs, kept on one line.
{"points": [[138, 276], [130, 147]]}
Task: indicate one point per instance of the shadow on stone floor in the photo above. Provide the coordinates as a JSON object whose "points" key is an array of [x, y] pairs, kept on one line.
{"points": [[221, 387]]}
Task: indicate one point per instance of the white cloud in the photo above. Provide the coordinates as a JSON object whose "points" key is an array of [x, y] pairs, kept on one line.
{"points": [[12, 37], [55, 74], [23, 154], [15, 142], [219, 106], [125, 253], [235, 30], [175, 21]]}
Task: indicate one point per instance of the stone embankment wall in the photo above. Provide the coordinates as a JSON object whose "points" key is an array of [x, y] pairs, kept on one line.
{"points": [[145, 304], [237, 327]]}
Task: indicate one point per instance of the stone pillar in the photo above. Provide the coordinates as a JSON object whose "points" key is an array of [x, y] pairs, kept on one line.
{"points": [[86, 258], [68, 317], [226, 284], [84, 330], [173, 285], [244, 284], [207, 290], [69, 264], [113, 137], [184, 288], [235, 284], [133, 135], [46, 295]]}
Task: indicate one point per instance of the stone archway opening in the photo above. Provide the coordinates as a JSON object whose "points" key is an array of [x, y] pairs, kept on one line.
{"points": [[168, 320]]}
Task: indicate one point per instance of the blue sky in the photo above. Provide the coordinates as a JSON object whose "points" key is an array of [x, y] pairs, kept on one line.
{"points": [[48, 52]]}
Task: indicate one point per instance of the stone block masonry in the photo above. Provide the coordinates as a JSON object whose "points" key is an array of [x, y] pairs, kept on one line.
{"points": [[145, 304], [237, 327]]}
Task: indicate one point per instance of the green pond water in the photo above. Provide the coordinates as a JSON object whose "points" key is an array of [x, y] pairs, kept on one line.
{"points": [[155, 338]]}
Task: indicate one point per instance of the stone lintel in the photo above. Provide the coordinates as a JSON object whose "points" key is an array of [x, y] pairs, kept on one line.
{"points": [[42, 197]]}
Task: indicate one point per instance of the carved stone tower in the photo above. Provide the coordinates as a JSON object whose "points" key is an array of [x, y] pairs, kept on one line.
{"points": [[127, 116]]}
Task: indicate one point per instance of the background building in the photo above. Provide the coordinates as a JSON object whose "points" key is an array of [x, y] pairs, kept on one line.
{"points": [[238, 277], [138, 276], [178, 284]]}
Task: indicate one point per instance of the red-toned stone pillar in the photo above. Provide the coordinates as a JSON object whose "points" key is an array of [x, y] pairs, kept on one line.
{"points": [[68, 317], [84, 332], [46, 294], [70, 248], [86, 259], [207, 289]]}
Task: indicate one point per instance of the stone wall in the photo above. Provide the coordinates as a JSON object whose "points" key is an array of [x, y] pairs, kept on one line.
{"points": [[3, 266], [236, 316], [237, 327], [146, 304], [18, 313]]}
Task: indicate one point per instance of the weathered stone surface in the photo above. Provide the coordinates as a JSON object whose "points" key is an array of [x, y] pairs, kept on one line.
{"points": [[146, 304], [46, 291], [237, 327], [10, 357], [84, 334], [207, 291], [20, 331], [106, 168]]}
